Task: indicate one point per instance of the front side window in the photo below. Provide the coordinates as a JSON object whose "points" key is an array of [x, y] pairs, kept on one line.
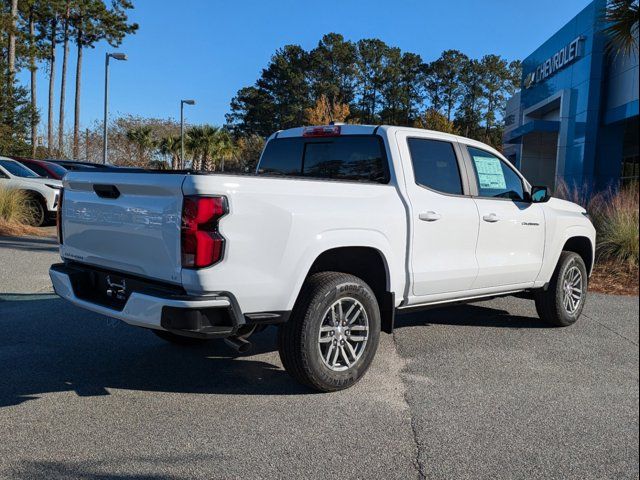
{"points": [[495, 178], [17, 169], [435, 165], [347, 157]]}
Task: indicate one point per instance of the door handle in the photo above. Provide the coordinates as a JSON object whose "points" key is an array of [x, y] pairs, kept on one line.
{"points": [[430, 216], [491, 218]]}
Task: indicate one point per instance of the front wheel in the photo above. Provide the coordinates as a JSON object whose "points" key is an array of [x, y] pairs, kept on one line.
{"points": [[37, 213], [332, 335], [562, 303]]}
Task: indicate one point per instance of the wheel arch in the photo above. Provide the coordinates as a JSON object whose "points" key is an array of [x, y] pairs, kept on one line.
{"points": [[367, 263], [576, 238], [582, 246], [35, 194]]}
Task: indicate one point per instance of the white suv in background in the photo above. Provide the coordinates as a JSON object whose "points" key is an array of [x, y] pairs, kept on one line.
{"points": [[43, 193]]}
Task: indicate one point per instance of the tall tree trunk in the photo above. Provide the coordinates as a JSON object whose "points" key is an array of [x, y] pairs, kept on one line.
{"points": [[76, 118], [11, 74], [12, 38], [489, 116], [33, 68], [63, 84], [52, 82]]}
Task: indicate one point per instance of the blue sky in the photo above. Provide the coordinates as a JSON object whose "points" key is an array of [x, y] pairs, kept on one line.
{"points": [[208, 49]]}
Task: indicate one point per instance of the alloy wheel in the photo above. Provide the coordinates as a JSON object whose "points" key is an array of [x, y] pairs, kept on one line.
{"points": [[343, 334], [572, 288]]}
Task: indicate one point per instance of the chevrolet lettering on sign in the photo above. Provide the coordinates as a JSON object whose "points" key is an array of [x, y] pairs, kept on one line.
{"points": [[558, 61]]}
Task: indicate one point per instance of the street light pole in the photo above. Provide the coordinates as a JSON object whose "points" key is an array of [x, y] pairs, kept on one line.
{"points": [[117, 56], [182, 103]]}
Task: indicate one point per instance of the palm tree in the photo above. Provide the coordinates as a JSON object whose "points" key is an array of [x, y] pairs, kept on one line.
{"points": [[209, 142], [194, 143], [201, 142], [224, 147], [143, 140], [622, 26], [170, 146]]}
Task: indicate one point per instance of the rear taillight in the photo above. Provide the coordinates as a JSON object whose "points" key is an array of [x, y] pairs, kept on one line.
{"points": [[321, 131], [201, 243], [59, 216]]}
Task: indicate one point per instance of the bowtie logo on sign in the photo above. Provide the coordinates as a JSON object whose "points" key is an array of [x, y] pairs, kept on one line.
{"points": [[556, 62]]}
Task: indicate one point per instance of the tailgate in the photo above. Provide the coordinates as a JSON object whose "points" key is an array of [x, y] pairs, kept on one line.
{"points": [[124, 221]]}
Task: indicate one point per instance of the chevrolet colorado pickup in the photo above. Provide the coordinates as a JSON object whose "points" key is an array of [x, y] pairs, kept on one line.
{"points": [[340, 227]]}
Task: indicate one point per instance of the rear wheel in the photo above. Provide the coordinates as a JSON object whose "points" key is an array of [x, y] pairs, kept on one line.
{"points": [[562, 303], [179, 339], [332, 335]]}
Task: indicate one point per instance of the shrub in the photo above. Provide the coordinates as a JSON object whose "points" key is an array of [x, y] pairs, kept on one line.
{"points": [[615, 215], [617, 225], [14, 207]]}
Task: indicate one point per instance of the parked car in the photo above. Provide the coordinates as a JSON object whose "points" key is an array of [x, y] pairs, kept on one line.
{"points": [[341, 227], [78, 166], [43, 168], [43, 193]]}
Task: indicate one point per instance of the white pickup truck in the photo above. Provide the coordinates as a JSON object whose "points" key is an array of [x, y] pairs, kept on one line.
{"points": [[340, 227]]}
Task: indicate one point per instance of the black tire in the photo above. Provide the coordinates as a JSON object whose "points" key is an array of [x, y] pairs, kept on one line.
{"points": [[299, 338], [550, 303], [37, 211], [179, 339]]}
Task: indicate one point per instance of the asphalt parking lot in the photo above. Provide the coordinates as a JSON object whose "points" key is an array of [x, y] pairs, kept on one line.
{"points": [[476, 391]]}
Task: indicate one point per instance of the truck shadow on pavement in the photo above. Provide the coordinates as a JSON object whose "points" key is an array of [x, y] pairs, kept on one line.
{"points": [[469, 315], [48, 345], [30, 244]]}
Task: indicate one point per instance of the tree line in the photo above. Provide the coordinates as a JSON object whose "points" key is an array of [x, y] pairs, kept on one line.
{"points": [[31, 34], [370, 82], [136, 141]]}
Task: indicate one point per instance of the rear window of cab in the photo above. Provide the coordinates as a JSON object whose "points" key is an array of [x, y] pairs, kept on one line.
{"points": [[346, 157]]}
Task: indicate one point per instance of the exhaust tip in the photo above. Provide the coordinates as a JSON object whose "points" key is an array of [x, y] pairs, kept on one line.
{"points": [[239, 344]]}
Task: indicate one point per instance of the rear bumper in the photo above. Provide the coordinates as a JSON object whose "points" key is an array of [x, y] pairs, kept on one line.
{"points": [[212, 316]]}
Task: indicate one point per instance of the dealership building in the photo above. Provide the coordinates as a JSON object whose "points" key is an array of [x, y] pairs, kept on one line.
{"points": [[575, 118]]}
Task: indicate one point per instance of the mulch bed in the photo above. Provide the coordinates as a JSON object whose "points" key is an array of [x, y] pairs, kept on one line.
{"points": [[613, 278], [8, 229]]}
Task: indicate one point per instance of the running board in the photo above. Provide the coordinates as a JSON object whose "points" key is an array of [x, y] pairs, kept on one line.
{"points": [[457, 301]]}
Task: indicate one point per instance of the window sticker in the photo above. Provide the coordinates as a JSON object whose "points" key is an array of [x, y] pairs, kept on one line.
{"points": [[490, 174]]}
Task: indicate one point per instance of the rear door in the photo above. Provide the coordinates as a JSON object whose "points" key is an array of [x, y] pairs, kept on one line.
{"points": [[128, 222], [511, 237], [443, 216]]}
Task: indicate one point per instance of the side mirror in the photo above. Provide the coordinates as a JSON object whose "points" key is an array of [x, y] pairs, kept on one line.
{"points": [[540, 194]]}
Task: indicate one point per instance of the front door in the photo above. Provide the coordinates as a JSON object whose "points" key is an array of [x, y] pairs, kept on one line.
{"points": [[512, 230], [444, 218]]}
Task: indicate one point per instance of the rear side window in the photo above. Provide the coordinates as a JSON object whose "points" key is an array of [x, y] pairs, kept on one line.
{"points": [[435, 165], [283, 156], [347, 157], [495, 178]]}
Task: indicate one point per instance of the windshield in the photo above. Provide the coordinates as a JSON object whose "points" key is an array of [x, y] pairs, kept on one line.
{"points": [[17, 169], [59, 170]]}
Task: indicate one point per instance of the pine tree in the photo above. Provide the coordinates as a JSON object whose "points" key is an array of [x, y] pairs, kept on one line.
{"points": [[92, 21]]}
